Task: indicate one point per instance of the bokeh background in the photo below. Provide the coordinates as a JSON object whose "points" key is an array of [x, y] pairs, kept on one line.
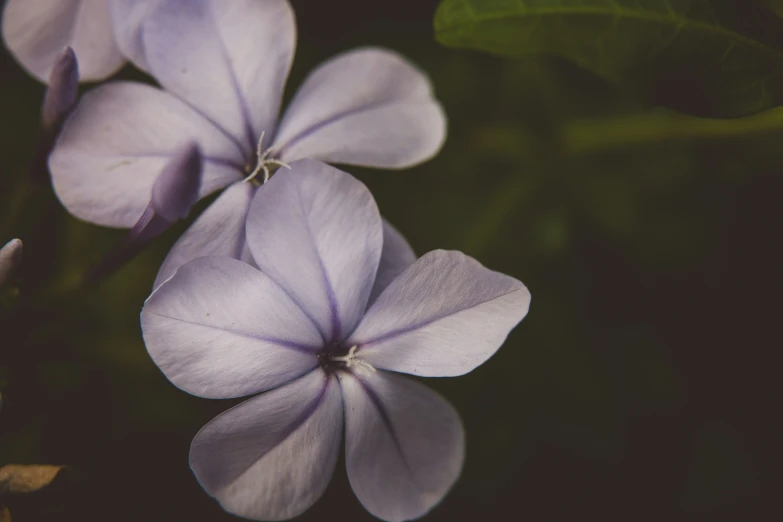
{"points": [[643, 385]]}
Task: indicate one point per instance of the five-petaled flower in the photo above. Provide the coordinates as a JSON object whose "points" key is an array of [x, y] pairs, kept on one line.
{"points": [[320, 323], [223, 66]]}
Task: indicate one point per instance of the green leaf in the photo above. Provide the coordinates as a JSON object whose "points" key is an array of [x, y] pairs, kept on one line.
{"points": [[600, 134], [706, 57]]}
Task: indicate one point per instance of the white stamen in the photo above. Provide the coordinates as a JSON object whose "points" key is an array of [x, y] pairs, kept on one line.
{"points": [[351, 360], [264, 161]]}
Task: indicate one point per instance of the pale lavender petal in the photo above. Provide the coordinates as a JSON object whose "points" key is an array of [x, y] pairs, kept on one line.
{"points": [[10, 257], [174, 193], [219, 231], [36, 32], [229, 59], [444, 316], [404, 444], [116, 142], [271, 457], [219, 328], [127, 17], [366, 107], [317, 232], [397, 255]]}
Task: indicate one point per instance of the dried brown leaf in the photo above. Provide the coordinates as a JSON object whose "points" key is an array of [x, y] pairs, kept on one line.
{"points": [[23, 478]]}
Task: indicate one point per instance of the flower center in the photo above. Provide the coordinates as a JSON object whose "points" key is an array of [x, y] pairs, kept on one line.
{"points": [[266, 163], [337, 356]]}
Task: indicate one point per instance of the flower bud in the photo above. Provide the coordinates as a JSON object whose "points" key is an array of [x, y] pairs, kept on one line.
{"points": [[10, 257]]}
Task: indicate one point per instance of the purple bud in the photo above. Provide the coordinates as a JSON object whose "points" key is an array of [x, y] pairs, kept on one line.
{"points": [[61, 93], [174, 193], [59, 101], [10, 257], [177, 187]]}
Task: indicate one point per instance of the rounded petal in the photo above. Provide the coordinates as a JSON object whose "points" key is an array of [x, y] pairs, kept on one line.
{"points": [[366, 107], [36, 32], [219, 328], [317, 232], [128, 16], [219, 231], [404, 444], [444, 316], [230, 59], [118, 140], [396, 256], [271, 457]]}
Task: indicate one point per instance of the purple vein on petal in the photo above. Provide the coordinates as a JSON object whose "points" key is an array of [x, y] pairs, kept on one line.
{"points": [[244, 152], [408, 329], [243, 109], [283, 343], [309, 131], [378, 403], [223, 162], [306, 413], [333, 310]]}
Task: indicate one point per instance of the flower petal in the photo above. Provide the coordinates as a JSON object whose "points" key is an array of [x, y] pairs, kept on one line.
{"points": [[316, 231], [36, 32], [219, 231], [117, 141], [219, 328], [404, 444], [228, 59], [397, 255], [271, 457], [128, 17], [366, 107], [444, 316]]}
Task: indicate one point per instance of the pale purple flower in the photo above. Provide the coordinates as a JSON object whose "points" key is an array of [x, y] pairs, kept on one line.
{"points": [[322, 324], [223, 65], [36, 32], [10, 257], [102, 33]]}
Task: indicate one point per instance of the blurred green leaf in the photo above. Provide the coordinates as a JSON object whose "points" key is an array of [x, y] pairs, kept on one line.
{"points": [[776, 6], [689, 55], [581, 136]]}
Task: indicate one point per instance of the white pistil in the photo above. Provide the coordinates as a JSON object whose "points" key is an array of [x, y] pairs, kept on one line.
{"points": [[351, 360], [264, 161]]}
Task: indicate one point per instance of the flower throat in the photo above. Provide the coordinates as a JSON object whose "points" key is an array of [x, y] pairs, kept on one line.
{"points": [[337, 356], [266, 163]]}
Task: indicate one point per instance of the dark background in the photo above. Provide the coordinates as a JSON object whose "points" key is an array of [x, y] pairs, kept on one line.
{"points": [[643, 385]]}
